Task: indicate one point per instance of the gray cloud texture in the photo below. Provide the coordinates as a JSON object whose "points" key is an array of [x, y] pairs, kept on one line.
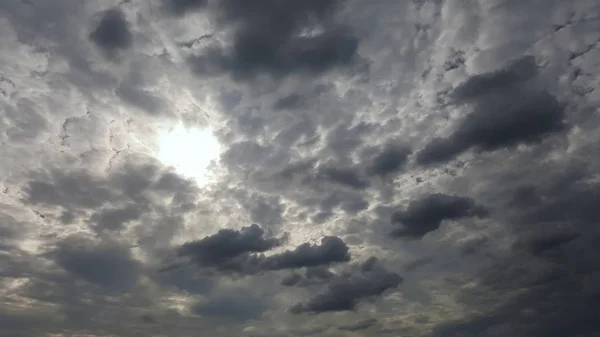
{"points": [[422, 168]]}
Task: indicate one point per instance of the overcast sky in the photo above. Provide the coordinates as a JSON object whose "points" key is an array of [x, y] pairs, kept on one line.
{"points": [[423, 168]]}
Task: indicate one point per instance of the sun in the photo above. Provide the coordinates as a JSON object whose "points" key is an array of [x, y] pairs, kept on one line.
{"points": [[189, 151]]}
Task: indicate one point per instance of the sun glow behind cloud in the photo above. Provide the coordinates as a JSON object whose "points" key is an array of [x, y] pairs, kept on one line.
{"points": [[189, 151]]}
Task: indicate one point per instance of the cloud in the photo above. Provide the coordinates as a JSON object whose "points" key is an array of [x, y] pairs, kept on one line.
{"points": [[267, 210], [360, 325], [343, 176], [312, 276], [273, 39], [239, 307], [291, 280], [148, 319], [391, 159], [137, 180], [545, 300], [418, 263], [542, 281], [504, 115], [331, 250], [339, 121], [112, 34], [479, 85], [223, 248], [77, 189], [426, 214], [344, 292], [180, 7], [106, 265], [546, 241], [115, 219], [235, 250]]}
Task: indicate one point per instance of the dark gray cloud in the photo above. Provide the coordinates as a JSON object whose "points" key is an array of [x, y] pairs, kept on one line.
{"points": [[553, 295], [332, 249], [516, 72], [544, 280], [573, 205], [503, 121], [236, 250], [427, 214], [544, 242], [274, 38], [104, 264], [391, 159], [223, 248], [113, 33], [344, 292], [505, 113]]}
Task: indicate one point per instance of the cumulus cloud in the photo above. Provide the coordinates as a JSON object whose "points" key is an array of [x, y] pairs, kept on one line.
{"points": [[479, 85], [344, 292], [332, 249], [272, 38], [504, 114], [391, 159], [112, 34], [227, 245], [427, 214], [235, 250]]}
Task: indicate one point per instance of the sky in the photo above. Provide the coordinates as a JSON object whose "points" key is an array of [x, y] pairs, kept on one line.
{"points": [[287, 168]]}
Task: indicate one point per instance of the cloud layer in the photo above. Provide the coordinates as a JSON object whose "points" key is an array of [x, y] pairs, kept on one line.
{"points": [[425, 168]]}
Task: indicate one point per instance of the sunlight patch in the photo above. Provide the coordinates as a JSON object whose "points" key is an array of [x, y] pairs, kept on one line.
{"points": [[189, 151]]}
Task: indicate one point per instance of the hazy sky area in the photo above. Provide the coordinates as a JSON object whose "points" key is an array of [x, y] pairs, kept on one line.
{"points": [[296, 168]]}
